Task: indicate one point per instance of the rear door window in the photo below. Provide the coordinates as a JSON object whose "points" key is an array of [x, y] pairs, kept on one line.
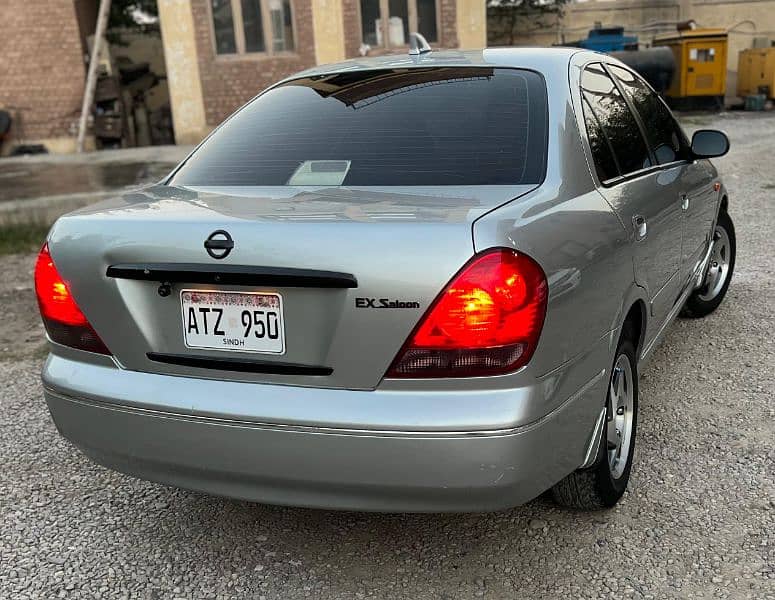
{"points": [[617, 124], [402, 127], [602, 152], [665, 138]]}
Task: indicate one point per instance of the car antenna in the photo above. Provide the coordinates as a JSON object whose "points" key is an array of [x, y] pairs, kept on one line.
{"points": [[418, 44]]}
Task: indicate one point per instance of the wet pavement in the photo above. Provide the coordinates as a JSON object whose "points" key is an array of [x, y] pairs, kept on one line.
{"points": [[38, 189], [20, 181]]}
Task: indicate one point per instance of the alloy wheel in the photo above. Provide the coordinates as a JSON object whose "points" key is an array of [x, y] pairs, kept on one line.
{"points": [[718, 267], [620, 416]]}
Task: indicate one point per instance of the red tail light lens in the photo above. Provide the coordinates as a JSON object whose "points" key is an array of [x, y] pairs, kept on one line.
{"points": [[64, 321], [487, 321]]}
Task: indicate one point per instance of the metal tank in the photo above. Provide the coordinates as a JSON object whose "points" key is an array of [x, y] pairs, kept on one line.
{"points": [[656, 65]]}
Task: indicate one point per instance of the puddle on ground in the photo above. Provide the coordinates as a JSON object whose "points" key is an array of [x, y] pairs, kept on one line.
{"points": [[25, 181]]}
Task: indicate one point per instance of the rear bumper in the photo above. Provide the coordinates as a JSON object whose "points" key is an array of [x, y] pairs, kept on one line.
{"points": [[304, 465]]}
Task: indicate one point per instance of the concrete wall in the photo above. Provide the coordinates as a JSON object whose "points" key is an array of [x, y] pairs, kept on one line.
{"points": [[42, 71], [759, 13], [643, 18], [328, 31], [471, 24], [504, 27], [180, 54]]}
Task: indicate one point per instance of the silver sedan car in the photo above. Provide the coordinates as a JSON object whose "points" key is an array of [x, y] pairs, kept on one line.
{"points": [[407, 283]]}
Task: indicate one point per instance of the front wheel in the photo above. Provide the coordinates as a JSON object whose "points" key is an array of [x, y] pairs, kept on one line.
{"points": [[705, 299], [604, 483]]}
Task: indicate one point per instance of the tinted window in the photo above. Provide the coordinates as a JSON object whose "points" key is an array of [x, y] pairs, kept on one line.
{"points": [[253, 26], [664, 137], [370, 12], [434, 126], [426, 19], [617, 122], [602, 155], [223, 26], [282, 26]]}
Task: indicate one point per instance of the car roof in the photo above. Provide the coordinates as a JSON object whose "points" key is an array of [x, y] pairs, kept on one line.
{"points": [[543, 60]]}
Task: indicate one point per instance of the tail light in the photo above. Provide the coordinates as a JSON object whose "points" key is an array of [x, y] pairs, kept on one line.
{"points": [[487, 321], [64, 321]]}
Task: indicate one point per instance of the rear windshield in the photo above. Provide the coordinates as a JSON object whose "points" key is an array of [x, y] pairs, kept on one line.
{"points": [[407, 127]]}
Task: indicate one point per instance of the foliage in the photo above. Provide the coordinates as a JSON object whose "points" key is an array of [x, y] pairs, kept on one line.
{"points": [[516, 17], [530, 6]]}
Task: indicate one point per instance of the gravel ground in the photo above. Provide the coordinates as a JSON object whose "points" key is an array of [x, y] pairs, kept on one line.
{"points": [[22, 334], [698, 522]]}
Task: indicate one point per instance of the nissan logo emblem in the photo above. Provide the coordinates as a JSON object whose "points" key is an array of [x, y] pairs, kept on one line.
{"points": [[219, 244]]}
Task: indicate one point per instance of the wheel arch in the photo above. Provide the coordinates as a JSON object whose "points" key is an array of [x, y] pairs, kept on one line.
{"points": [[634, 324], [633, 315]]}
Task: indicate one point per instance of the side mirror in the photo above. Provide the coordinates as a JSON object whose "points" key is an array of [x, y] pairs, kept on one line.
{"points": [[709, 143]]}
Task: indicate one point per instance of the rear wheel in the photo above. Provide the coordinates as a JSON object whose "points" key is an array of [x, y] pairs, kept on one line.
{"points": [[704, 300], [604, 483]]}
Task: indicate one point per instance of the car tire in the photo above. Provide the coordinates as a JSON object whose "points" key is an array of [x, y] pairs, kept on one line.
{"points": [[603, 484], [704, 300]]}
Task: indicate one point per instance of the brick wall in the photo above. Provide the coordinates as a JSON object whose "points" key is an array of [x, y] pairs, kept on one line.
{"points": [[41, 68], [352, 27], [230, 81], [448, 23]]}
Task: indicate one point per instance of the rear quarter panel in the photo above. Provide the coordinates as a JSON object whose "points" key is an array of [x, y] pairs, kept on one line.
{"points": [[570, 229]]}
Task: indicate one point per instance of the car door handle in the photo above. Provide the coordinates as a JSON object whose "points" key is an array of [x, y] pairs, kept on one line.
{"points": [[639, 223], [684, 202]]}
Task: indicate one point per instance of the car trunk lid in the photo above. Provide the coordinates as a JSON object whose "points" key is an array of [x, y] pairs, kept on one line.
{"points": [[355, 269]]}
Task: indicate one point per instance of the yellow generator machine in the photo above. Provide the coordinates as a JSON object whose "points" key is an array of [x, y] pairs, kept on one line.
{"points": [[701, 67], [756, 72]]}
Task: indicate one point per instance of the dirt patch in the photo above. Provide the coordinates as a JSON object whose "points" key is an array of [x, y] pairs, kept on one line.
{"points": [[22, 334]]}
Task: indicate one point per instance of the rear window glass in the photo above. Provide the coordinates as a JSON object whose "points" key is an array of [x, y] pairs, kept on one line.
{"points": [[435, 126]]}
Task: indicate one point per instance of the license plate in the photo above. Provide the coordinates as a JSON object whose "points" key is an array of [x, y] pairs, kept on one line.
{"points": [[236, 321]]}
